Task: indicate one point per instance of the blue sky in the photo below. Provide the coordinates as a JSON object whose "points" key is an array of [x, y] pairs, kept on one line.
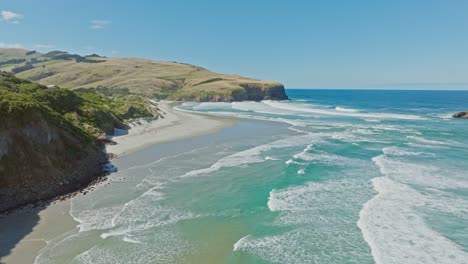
{"points": [[305, 44]]}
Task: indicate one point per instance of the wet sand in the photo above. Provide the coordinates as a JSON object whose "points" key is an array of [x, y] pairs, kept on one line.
{"points": [[173, 126]]}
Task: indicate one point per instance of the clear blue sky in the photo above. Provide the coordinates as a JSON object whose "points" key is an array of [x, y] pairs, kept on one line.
{"points": [[304, 44]]}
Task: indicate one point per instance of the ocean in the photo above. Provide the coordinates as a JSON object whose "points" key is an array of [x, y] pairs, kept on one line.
{"points": [[330, 176]]}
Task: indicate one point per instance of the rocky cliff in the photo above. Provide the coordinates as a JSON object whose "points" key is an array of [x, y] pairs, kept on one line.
{"points": [[40, 159], [461, 115], [234, 91]]}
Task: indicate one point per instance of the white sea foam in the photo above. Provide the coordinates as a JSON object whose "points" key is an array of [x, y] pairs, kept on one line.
{"points": [[362, 131], [240, 242], [296, 123], [284, 248], [296, 247], [321, 157], [350, 137], [420, 174], [396, 151], [373, 120], [95, 218], [43, 256], [258, 107], [396, 233], [290, 161], [205, 106], [247, 115], [314, 214], [319, 215], [304, 155], [426, 146], [138, 219], [306, 197], [130, 240], [164, 246], [153, 163], [295, 129], [252, 155], [391, 222], [292, 107], [144, 213], [444, 115]]}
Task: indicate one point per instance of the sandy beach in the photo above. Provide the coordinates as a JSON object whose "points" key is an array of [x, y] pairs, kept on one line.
{"points": [[173, 125], [26, 231]]}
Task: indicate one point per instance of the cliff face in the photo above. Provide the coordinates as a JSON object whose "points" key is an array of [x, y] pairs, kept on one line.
{"points": [[231, 92], [41, 160]]}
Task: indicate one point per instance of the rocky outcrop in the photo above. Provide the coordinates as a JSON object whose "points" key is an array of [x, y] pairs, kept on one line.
{"points": [[254, 91], [461, 115], [260, 91], [40, 160]]}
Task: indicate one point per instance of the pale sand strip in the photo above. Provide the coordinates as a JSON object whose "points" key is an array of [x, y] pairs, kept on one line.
{"points": [[38, 226], [175, 125]]}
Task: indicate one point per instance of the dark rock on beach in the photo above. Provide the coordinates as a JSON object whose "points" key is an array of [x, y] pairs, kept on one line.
{"points": [[461, 115]]}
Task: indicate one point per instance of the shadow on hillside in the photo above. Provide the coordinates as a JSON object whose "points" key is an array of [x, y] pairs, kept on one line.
{"points": [[15, 226]]}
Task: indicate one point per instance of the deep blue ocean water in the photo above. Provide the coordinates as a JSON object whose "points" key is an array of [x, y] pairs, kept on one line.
{"points": [[329, 176]]}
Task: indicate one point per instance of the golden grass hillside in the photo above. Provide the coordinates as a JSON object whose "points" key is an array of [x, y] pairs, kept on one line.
{"points": [[176, 81]]}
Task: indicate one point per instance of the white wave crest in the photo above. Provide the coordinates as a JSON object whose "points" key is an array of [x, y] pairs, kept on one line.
{"points": [[427, 141], [252, 155], [391, 223], [397, 234], [420, 174], [292, 107], [347, 110]]}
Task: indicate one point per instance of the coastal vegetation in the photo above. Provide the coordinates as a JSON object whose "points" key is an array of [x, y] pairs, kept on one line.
{"points": [[61, 132], [89, 110]]}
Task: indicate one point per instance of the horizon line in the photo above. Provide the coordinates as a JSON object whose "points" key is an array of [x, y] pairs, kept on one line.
{"points": [[377, 89]]}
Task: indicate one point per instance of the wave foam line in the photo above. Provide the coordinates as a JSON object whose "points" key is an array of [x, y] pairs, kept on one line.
{"points": [[291, 107], [428, 141], [396, 151], [392, 227], [395, 233], [246, 116], [252, 155], [346, 110], [257, 107]]}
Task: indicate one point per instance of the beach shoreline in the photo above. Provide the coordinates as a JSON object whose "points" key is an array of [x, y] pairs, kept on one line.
{"points": [[173, 125], [43, 222]]}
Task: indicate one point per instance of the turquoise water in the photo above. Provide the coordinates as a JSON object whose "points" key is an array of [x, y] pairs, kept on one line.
{"points": [[327, 177]]}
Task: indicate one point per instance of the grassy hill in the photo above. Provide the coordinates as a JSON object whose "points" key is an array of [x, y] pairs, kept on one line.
{"points": [[50, 137], [175, 81]]}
